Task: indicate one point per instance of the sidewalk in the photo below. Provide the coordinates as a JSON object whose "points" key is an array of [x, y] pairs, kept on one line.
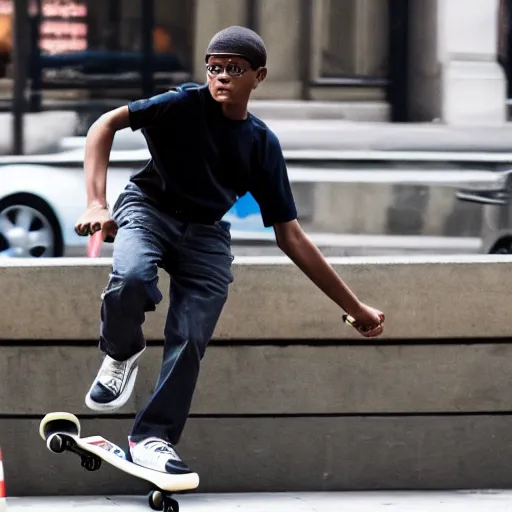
{"points": [[453, 501], [334, 245], [364, 136], [44, 130]]}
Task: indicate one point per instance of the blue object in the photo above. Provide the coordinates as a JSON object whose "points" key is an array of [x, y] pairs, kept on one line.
{"points": [[245, 215]]}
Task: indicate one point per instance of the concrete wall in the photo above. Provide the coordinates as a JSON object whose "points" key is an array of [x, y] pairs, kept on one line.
{"points": [[288, 397], [272, 18], [56, 300]]}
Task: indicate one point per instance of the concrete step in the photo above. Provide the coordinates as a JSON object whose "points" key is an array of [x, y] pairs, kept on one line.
{"points": [[372, 111]]}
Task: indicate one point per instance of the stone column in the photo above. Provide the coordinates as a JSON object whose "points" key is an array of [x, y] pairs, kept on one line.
{"points": [[210, 17], [279, 26], [278, 23], [454, 73]]}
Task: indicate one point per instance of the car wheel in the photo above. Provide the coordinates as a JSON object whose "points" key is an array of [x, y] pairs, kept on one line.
{"points": [[504, 246], [28, 228]]}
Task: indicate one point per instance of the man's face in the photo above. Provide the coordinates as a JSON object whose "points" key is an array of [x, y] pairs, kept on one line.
{"points": [[231, 78]]}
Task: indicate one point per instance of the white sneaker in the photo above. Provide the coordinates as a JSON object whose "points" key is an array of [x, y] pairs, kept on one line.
{"points": [[159, 455], [114, 383]]}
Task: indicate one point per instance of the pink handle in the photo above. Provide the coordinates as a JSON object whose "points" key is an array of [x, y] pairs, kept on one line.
{"points": [[94, 245]]}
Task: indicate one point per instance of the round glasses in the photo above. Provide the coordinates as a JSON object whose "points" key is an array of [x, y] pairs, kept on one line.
{"points": [[231, 69]]}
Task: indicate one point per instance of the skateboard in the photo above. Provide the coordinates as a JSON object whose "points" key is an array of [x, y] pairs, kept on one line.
{"points": [[61, 431]]}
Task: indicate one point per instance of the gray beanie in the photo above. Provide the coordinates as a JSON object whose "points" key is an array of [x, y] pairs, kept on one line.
{"points": [[241, 41]]}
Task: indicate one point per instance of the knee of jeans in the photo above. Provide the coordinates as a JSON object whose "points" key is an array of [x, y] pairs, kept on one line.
{"points": [[201, 333], [197, 345], [192, 342], [135, 282]]}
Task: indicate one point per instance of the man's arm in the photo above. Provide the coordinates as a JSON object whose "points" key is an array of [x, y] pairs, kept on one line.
{"points": [[272, 190], [136, 115], [292, 240], [98, 146], [97, 154]]}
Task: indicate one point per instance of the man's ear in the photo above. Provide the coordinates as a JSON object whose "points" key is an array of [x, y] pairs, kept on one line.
{"points": [[260, 76]]}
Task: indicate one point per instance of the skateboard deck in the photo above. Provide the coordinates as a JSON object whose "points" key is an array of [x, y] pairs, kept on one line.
{"points": [[61, 431]]}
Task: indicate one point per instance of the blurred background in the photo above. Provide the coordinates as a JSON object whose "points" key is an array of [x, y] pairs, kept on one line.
{"points": [[393, 115]]}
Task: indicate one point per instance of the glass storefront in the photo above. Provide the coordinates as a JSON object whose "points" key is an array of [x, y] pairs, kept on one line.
{"points": [[116, 25], [63, 26], [95, 49], [142, 45]]}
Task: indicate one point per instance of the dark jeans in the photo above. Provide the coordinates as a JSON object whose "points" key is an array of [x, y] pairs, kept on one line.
{"points": [[198, 259]]}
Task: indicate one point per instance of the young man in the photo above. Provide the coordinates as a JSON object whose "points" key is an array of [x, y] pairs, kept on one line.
{"points": [[206, 151]]}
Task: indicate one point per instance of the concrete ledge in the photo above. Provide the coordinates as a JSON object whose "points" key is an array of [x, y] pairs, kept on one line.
{"points": [[423, 298], [289, 398], [296, 379], [285, 454]]}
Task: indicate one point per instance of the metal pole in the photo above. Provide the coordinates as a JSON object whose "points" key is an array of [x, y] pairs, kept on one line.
{"points": [[114, 22], [35, 74], [147, 25], [253, 15], [306, 47], [398, 51], [19, 72]]}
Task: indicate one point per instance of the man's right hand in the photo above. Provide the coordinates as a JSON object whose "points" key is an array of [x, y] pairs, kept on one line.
{"points": [[94, 219]]}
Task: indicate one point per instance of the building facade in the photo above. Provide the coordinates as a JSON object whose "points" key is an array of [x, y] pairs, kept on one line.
{"points": [[424, 60], [398, 60]]}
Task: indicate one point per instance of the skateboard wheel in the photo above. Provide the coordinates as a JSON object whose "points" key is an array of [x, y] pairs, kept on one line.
{"points": [[56, 444], [91, 463], [56, 422], [156, 500], [171, 505]]}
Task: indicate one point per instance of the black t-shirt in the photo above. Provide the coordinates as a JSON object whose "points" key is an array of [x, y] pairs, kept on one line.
{"points": [[201, 161]]}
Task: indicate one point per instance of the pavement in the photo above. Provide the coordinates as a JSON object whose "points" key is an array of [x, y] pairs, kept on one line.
{"points": [[336, 245], [406, 501]]}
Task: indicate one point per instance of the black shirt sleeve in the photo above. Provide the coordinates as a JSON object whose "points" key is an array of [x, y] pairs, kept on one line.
{"points": [[271, 186], [148, 112]]}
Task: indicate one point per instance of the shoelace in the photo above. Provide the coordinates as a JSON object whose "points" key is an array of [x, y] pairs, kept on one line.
{"points": [[154, 451], [115, 373]]}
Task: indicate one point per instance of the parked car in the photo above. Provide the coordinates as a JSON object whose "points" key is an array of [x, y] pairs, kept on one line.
{"points": [[42, 196], [496, 201]]}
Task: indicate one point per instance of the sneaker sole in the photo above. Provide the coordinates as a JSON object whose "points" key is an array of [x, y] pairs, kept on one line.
{"points": [[118, 402]]}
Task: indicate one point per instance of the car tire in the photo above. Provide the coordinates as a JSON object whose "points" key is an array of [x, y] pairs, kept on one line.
{"points": [[29, 228], [503, 246]]}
